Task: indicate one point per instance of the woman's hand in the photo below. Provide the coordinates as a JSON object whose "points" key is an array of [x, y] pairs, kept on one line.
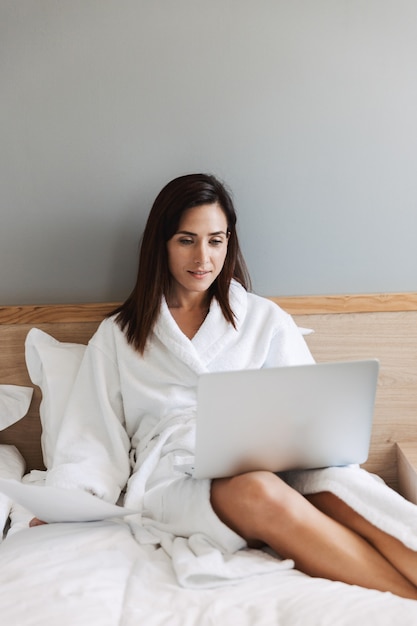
{"points": [[36, 522]]}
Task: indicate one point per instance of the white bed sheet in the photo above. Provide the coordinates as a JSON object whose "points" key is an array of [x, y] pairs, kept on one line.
{"points": [[96, 574]]}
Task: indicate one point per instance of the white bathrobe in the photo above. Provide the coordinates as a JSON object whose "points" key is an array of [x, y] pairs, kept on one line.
{"points": [[134, 416]]}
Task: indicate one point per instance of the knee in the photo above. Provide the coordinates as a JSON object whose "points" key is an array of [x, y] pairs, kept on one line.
{"points": [[268, 494], [259, 488], [248, 500]]}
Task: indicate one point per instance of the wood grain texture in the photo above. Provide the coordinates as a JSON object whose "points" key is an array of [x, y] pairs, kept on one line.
{"points": [[388, 332], [353, 303], [56, 313], [407, 469], [350, 303]]}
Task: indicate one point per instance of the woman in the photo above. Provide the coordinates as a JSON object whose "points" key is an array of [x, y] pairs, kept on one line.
{"points": [[132, 409]]}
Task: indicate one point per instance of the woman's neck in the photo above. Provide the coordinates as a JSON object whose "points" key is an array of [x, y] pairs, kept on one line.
{"points": [[188, 301], [189, 313]]}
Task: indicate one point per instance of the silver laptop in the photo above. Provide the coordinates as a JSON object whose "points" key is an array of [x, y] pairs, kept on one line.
{"points": [[284, 418]]}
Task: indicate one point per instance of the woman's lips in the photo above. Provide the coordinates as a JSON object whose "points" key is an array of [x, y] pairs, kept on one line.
{"points": [[198, 274]]}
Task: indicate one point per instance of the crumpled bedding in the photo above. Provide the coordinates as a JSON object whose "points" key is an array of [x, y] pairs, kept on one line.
{"points": [[96, 574], [198, 563], [12, 465]]}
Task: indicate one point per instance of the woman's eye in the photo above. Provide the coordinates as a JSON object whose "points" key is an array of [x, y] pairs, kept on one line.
{"points": [[185, 241], [216, 242]]}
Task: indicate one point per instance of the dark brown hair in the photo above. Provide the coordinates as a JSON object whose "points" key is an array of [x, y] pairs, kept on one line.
{"points": [[138, 314]]}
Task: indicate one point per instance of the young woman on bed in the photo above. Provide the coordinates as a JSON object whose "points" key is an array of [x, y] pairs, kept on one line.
{"points": [[189, 313]]}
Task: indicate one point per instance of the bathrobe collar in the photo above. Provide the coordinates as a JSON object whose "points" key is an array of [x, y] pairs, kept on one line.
{"points": [[211, 338]]}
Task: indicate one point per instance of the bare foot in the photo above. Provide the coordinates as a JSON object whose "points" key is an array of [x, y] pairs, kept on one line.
{"points": [[36, 522]]}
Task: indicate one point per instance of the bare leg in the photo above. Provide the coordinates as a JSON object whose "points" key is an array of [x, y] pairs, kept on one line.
{"points": [[402, 558], [259, 506]]}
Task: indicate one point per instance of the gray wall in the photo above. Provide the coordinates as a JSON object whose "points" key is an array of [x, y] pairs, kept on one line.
{"points": [[308, 109]]}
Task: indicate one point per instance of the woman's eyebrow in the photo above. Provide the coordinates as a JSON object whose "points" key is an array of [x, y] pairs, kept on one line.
{"points": [[187, 232]]}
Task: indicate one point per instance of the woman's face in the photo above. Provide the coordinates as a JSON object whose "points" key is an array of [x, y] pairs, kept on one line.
{"points": [[197, 251]]}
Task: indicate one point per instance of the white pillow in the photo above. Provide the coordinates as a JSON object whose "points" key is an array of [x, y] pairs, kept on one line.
{"points": [[14, 404], [52, 366], [12, 465]]}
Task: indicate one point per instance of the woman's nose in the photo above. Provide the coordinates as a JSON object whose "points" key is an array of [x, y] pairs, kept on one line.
{"points": [[201, 255]]}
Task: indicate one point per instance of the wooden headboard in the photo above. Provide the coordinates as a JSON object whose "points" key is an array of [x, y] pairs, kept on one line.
{"points": [[383, 326]]}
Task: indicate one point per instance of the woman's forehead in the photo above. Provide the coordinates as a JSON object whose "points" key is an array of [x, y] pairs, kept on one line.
{"points": [[210, 217]]}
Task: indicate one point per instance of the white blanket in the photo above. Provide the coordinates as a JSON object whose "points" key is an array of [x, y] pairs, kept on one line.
{"points": [[96, 574]]}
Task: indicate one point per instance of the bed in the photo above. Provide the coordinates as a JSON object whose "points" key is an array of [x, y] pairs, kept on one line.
{"points": [[95, 573]]}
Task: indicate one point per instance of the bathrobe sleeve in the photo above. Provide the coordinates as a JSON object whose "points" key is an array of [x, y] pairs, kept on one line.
{"points": [[92, 451]]}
